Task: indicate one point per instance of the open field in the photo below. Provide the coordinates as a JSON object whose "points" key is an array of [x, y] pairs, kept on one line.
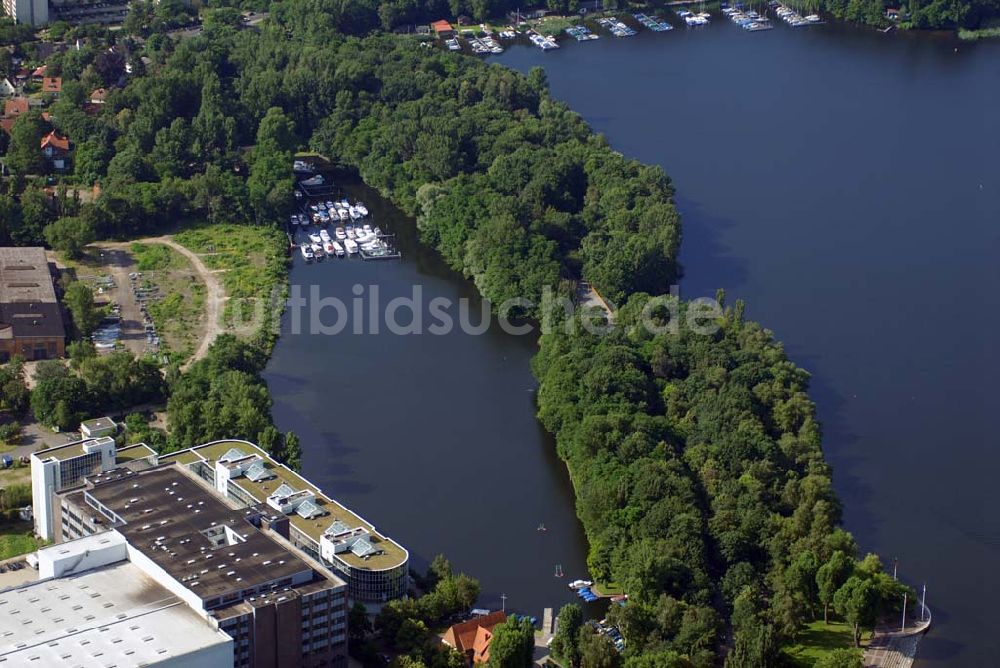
{"points": [[179, 312]]}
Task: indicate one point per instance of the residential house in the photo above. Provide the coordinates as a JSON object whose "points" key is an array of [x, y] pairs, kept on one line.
{"points": [[443, 29], [39, 73], [56, 149], [52, 85], [99, 96], [15, 107], [893, 14], [7, 88], [472, 638]]}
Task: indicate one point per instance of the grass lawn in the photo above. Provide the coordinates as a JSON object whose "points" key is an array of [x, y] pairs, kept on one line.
{"points": [[607, 588], [817, 640], [253, 261], [18, 474], [16, 539]]}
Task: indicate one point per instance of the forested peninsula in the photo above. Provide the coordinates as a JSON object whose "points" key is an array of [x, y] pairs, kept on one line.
{"points": [[700, 478]]}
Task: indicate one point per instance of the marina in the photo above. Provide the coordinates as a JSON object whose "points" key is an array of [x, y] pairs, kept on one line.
{"points": [[581, 33], [335, 228], [616, 27], [654, 23]]}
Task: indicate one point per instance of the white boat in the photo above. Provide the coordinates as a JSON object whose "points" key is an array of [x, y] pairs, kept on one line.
{"points": [[351, 234], [317, 250], [355, 214], [337, 248], [378, 231], [367, 228], [351, 246], [301, 167], [324, 236], [578, 584], [328, 248], [317, 180], [306, 251], [344, 215], [315, 238], [361, 209], [340, 233]]}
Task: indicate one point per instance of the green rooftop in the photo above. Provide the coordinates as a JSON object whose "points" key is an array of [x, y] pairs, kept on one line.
{"points": [[131, 453], [392, 553]]}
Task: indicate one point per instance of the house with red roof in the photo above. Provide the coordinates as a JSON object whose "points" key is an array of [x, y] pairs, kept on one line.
{"points": [[472, 638], [443, 29], [15, 107], [56, 149], [52, 85], [99, 96], [39, 73]]}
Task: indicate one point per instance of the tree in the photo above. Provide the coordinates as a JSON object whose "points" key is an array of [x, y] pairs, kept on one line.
{"points": [[24, 155], [69, 235], [79, 299], [830, 577], [439, 569], [596, 650], [512, 645], [840, 658], [565, 644], [358, 624], [14, 395], [858, 602], [291, 453]]}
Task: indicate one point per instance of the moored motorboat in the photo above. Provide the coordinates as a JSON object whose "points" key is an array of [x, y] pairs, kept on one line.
{"points": [[306, 251], [351, 245], [324, 236], [317, 250], [315, 238], [337, 248], [339, 232]]}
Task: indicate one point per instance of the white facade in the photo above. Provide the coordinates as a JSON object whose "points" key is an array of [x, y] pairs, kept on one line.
{"points": [[32, 12], [82, 554], [56, 468]]}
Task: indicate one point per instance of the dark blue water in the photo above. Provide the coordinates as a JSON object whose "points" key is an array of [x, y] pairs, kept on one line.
{"points": [[433, 438], [847, 185]]}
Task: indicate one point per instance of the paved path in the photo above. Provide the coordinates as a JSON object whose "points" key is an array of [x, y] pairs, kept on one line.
{"points": [[893, 647]]}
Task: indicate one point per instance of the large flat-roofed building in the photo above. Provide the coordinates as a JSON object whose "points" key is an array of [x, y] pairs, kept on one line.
{"points": [[31, 321], [280, 607], [66, 466], [375, 567], [92, 607], [31, 12]]}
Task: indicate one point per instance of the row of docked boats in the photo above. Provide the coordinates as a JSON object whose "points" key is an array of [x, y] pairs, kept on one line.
{"points": [[580, 33], [331, 212], [794, 19], [543, 42], [654, 23], [484, 45], [616, 27], [749, 20], [348, 240], [692, 19]]}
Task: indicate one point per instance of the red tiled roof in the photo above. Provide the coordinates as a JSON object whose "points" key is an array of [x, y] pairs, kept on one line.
{"points": [[463, 636], [441, 26], [6, 124], [40, 71], [55, 141], [99, 95], [15, 107], [52, 84]]}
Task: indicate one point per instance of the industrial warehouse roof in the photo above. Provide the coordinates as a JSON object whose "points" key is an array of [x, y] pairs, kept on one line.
{"points": [[116, 615], [388, 553], [185, 529]]}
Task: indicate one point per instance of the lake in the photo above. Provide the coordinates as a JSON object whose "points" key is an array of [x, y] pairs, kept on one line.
{"points": [[846, 184]]}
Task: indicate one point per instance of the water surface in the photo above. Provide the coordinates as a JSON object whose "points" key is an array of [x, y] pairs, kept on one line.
{"points": [[847, 185]]}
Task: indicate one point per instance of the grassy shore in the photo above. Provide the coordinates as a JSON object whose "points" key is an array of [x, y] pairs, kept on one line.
{"points": [[179, 315], [819, 639], [982, 33]]}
